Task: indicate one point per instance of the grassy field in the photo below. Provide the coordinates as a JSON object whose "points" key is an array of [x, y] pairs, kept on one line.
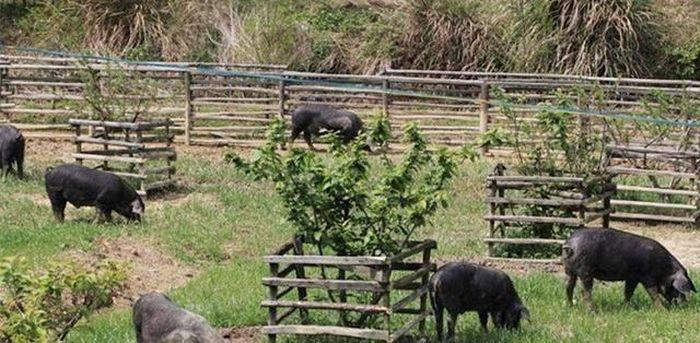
{"points": [[213, 229]]}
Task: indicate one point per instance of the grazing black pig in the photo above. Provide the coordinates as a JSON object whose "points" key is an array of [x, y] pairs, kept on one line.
{"points": [[613, 255], [311, 119], [11, 150], [159, 320], [460, 287], [82, 186]]}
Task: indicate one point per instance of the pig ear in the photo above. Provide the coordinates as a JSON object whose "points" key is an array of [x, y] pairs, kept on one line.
{"points": [[683, 284], [136, 207]]}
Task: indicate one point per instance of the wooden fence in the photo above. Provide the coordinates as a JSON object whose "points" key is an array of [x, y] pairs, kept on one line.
{"points": [[571, 203], [230, 104], [140, 151], [392, 288]]}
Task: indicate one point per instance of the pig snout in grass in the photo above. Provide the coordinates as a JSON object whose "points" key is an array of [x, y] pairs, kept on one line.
{"points": [[11, 150], [613, 255], [311, 119], [159, 320], [459, 287], [82, 186]]}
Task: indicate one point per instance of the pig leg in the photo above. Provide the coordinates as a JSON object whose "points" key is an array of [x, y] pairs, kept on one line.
{"points": [[587, 289], [6, 164], [570, 285], [439, 313], [102, 215], [307, 139], [451, 323], [20, 159], [629, 290], [654, 294], [295, 134], [483, 319], [58, 205]]}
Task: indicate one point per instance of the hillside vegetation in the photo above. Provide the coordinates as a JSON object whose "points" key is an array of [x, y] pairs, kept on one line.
{"points": [[644, 38]]}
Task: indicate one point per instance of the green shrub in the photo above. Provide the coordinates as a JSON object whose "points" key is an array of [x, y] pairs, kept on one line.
{"points": [[348, 204], [44, 306]]}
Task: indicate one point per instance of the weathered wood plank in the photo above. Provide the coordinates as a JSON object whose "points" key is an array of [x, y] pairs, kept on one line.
{"points": [[402, 331], [427, 244], [535, 179], [326, 306], [372, 286], [101, 141], [327, 260], [81, 156], [636, 171], [524, 241], [409, 298], [652, 204], [379, 335], [658, 190], [524, 260], [652, 217], [533, 219], [413, 276], [534, 201]]}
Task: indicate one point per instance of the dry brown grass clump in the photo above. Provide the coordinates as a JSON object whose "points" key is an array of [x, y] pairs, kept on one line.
{"points": [[604, 37], [444, 34]]}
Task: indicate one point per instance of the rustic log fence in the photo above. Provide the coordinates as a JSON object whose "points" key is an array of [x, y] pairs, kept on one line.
{"points": [[655, 184], [585, 202], [140, 151], [395, 289]]}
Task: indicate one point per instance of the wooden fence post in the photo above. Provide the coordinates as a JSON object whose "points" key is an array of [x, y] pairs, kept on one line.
{"points": [[484, 111], [3, 76], [282, 90], [188, 108], [385, 97], [272, 311]]}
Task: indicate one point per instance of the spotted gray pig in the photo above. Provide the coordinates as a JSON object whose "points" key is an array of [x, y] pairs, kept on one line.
{"points": [[158, 320]]}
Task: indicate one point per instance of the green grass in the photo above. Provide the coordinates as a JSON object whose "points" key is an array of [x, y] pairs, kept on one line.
{"points": [[222, 222]]}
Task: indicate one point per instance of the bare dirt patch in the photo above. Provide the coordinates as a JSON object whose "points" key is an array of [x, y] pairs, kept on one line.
{"points": [[683, 243], [150, 268], [245, 334], [518, 269]]}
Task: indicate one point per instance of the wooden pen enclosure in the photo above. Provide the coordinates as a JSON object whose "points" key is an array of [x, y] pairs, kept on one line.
{"points": [[388, 295]]}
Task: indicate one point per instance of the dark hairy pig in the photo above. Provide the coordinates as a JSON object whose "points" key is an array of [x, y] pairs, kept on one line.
{"points": [[459, 287], [82, 186], [311, 119], [11, 150], [613, 255]]}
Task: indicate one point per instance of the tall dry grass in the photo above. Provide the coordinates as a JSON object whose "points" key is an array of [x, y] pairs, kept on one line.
{"points": [[444, 34], [260, 34], [604, 37], [165, 28]]}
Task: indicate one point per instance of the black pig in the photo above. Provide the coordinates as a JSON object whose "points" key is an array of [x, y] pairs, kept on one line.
{"points": [[311, 119], [460, 287], [613, 255], [159, 320], [82, 186], [11, 150]]}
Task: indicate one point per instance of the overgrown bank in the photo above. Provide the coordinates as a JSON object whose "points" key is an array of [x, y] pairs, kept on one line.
{"points": [[644, 38]]}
